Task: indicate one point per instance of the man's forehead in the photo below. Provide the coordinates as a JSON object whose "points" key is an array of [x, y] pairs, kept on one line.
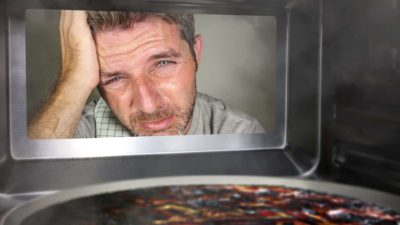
{"points": [[148, 27], [146, 34]]}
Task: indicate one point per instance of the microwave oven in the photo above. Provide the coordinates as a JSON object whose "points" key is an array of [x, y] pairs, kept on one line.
{"points": [[331, 108]]}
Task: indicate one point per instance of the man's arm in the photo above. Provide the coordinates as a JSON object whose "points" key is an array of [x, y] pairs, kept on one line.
{"points": [[59, 116]]}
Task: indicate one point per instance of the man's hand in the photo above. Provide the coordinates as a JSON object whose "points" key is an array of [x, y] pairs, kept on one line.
{"points": [[60, 115], [78, 50]]}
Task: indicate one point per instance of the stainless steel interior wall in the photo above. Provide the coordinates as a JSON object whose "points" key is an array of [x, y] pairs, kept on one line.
{"points": [[362, 68], [4, 141]]}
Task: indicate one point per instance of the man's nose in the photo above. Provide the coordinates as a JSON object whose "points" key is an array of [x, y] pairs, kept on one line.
{"points": [[145, 97]]}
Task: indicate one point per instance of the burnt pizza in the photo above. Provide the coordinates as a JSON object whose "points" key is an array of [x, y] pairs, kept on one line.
{"points": [[213, 205]]}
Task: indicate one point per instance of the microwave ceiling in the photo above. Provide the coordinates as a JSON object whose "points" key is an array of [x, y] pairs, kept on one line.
{"points": [[191, 6]]}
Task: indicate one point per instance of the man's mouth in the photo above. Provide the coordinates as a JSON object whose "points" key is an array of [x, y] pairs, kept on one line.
{"points": [[160, 124]]}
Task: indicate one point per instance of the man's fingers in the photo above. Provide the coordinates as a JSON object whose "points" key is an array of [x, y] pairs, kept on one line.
{"points": [[78, 50], [73, 21], [65, 19]]}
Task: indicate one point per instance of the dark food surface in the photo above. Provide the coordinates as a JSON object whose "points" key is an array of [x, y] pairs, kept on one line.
{"points": [[214, 204]]}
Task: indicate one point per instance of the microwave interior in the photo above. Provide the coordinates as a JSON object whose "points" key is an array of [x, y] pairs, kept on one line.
{"points": [[324, 119]]}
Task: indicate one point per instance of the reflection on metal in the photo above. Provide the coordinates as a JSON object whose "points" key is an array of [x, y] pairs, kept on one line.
{"points": [[287, 56], [317, 159]]}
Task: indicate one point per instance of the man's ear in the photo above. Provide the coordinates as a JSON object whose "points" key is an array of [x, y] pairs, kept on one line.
{"points": [[198, 45]]}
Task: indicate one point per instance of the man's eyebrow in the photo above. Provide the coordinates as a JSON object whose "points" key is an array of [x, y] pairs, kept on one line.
{"points": [[166, 54], [108, 74], [162, 55]]}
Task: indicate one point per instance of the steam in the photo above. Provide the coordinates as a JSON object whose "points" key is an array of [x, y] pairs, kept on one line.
{"points": [[239, 60]]}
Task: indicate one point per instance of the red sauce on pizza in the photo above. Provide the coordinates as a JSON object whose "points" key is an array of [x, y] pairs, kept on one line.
{"points": [[214, 205]]}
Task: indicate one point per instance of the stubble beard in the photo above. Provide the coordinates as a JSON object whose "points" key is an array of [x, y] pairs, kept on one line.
{"points": [[182, 116]]}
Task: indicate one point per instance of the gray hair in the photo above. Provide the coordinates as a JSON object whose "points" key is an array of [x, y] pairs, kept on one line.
{"points": [[112, 20]]}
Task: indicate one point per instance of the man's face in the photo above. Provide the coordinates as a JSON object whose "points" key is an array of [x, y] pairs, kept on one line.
{"points": [[147, 76]]}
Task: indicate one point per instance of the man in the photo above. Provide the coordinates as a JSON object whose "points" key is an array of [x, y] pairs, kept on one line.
{"points": [[144, 65]]}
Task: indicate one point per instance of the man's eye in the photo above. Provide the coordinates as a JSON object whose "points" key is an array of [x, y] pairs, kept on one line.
{"points": [[112, 80], [164, 63], [163, 68]]}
